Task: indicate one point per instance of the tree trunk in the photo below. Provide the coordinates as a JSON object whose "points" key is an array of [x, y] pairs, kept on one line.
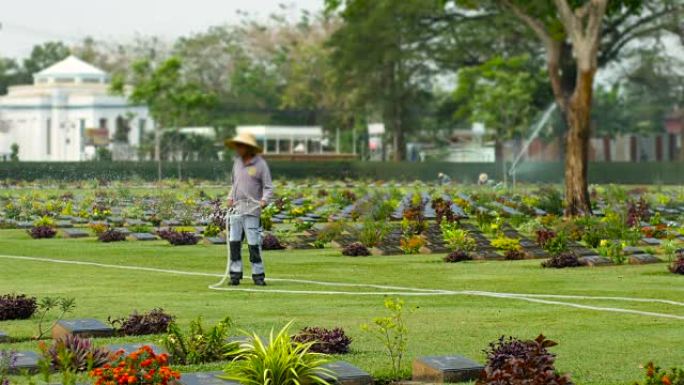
{"points": [[577, 148]]}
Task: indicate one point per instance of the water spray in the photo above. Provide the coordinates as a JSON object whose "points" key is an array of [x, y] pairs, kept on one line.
{"points": [[535, 133]]}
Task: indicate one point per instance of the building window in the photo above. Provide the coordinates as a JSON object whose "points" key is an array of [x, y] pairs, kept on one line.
{"points": [[64, 80], [103, 123], [48, 135]]}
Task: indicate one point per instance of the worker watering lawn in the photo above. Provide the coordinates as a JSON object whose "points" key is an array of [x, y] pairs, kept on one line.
{"points": [[251, 190]]}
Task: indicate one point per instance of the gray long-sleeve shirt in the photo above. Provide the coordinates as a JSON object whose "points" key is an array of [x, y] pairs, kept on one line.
{"points": [[251, 184]]}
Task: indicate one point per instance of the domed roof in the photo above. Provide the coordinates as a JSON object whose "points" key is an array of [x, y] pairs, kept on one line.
{"points": [[71, 67]]}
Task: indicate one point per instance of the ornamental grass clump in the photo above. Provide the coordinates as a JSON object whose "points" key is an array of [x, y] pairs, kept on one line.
{"points": [[512, 361], [280, 360], [457, 256], [111, 235], [178, 238], [677, 266], [17, 306], [199, 344], [356, 249], [74, 353], [326, 341], [156, 321], [271, 242]]}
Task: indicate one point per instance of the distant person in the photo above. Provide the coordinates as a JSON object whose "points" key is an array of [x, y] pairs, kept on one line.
{"points": [[250, 192], [444, 179], [483, 179]]}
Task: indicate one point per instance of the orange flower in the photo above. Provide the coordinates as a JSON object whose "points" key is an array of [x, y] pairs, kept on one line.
{"points": [[146, 363], [666, 380]]}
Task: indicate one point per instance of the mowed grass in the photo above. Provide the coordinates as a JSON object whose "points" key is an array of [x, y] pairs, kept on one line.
{"points": [[595, 347]]}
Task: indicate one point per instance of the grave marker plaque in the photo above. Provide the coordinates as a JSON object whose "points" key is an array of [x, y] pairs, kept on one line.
{"points": [[445, 369], [132, 347], [81, 328], [347, 374], [595, 260], [215, 240], [205, 378], [143, 237], [25, 361], [3, 337], [642, 259], [75, 233], [651, 241]]}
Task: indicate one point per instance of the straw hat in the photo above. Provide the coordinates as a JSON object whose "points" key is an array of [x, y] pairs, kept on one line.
{"points": [[244, 138]]}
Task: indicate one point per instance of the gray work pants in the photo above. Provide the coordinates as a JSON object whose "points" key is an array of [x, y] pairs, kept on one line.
{"points": [[245, 226]]}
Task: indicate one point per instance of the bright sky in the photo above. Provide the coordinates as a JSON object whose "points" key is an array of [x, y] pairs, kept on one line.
{"points": [[25, 23]]}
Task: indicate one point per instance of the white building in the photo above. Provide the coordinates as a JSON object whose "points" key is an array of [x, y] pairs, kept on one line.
{"points": [[287, 139], [66, 113]]}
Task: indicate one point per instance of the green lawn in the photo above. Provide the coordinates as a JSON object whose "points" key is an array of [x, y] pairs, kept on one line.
{"points": [[595, 347]]}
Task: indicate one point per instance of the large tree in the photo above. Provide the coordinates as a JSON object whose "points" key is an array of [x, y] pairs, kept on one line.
{"points": [[583, 32], [382, 53]]}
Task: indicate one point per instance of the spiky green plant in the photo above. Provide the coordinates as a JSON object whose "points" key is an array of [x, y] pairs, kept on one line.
{"points": [[278, 361]]}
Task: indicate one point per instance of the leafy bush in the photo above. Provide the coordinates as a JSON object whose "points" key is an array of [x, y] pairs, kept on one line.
{"points": [[677, 266], [557, 244], [111, 235], [443, 211], [140, 229], [178, 238], [74, 353], [142, 367], [98, 228], [199, 345], [550, 200], [17, 306], [40, 232], [278, 361], [514, 255], [515, 362], [271, 242], [392, 332], [457, 256], [411, 244], [562, 260], [372, 232], [656, 376], [325, 341], [636, 212], [153, 322], [544, 236], [505, 243], [211, 230], [46, 305], [457, 239], [356, 249]]}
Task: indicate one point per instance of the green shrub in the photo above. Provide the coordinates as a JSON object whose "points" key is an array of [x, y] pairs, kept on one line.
{"points": [[199, 345], [278, 361]]}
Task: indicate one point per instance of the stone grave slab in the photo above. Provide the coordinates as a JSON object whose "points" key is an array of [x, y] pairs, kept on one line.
{"points": [[134, 222], [487, 254], [143, 237], [25, 362], [123, 230], [205, 378], [24, 225], [583, 251], [651, 241], [64, 224], [631, 250], [75, 233], [215, 240], [3, 337], [132, 347], [595, 260], [445, 369], [642, 259], [82, 328], [347, 374]]}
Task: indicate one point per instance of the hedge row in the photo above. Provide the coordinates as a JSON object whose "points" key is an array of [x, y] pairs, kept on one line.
{"points": [[545, 172]]}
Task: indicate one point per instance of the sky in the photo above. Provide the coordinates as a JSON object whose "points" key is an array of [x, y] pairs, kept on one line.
{"points": [[25, 23]]}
